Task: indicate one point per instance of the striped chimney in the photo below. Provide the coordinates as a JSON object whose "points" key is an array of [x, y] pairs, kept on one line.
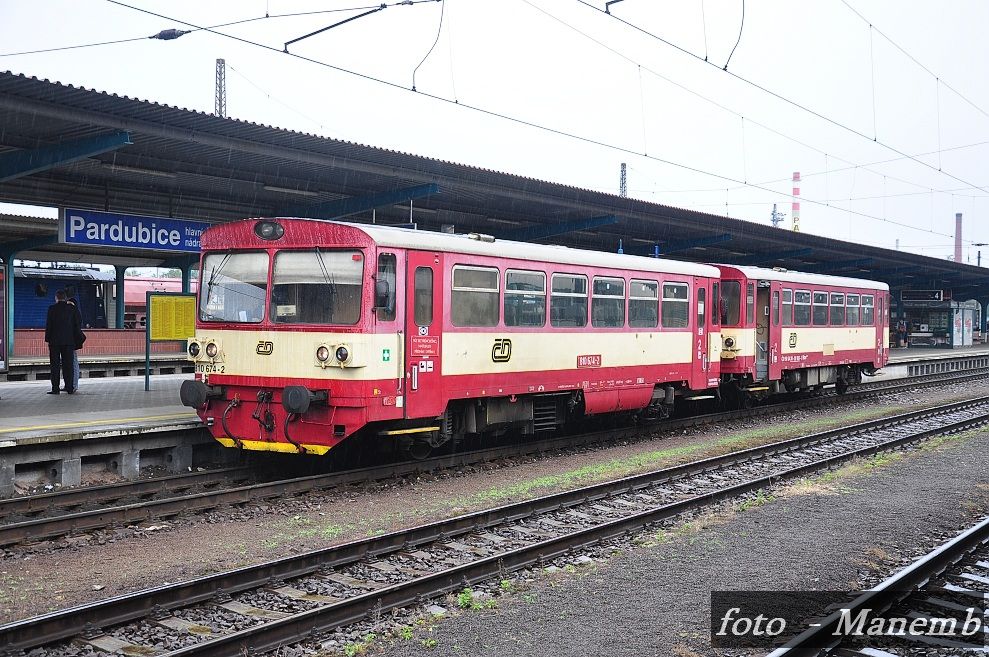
{"points": [[795, 207]]}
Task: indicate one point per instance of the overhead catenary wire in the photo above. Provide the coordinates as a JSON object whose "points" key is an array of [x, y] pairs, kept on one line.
{"points": [[439, 30], [779, 96], [723, 107], [500, 115]]}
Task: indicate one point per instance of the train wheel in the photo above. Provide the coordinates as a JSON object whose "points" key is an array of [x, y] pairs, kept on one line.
{"points": [[420, 450]]}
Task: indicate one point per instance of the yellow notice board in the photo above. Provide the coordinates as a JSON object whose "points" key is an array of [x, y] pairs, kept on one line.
{"points": [[172, 316]]}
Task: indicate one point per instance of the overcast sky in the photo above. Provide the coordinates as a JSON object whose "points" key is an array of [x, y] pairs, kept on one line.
{"points": [[558, 90]]}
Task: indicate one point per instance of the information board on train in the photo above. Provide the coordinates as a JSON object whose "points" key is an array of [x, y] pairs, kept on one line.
{"points": [[173, 316]]}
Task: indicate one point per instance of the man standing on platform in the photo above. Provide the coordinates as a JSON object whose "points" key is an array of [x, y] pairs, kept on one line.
{"points": [[61, 328]]}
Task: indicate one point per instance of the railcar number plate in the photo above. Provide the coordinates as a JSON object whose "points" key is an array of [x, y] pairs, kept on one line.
{"points": [[209, 368]]}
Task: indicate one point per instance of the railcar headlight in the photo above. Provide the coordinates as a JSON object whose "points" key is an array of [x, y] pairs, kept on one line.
{"points": [[729, 342], [268, 230], [211, 350], [194, 349], [322, 354], [343, 354]]}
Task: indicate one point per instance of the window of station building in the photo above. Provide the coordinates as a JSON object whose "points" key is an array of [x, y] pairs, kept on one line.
{"points": [[837, 309], [788, 307], [568, 302], [820, 308], [423, 295], [235, 286], [384, 287], [317, 287], [776, 308], [608, 302], [731, 295], [749, 303], [868, 310], [643, 304], [474, 300], [525, 298], [851, 309], [676, 302], [715, 295], [801, 308]]}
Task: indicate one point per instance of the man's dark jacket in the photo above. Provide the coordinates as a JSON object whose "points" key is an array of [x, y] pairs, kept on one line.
{"points": [[62, 325]]}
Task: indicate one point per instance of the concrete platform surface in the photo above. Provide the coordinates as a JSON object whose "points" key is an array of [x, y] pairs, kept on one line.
{"points": [[100, 408], [900, 355]]}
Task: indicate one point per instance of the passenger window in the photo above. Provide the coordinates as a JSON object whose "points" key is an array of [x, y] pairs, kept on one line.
{"points": [[837, 309], [852, 309], [384, 288], [820, 309], [675, 305], [868, 310], [423, 312], [715, 315], [731, 293], [801, 308], [701, 295], [787, 307], [568, 302], [474, 300], [776, 308], [608, 303], [525, 298], [643, 304], [749, 303]]}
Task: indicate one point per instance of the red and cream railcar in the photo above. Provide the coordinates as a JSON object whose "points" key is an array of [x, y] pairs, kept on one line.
{"points": [[785, 331], [310, 332]]}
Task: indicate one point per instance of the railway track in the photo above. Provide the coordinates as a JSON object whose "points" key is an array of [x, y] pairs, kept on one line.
{"points": [[943, 585], [44, 517], [292, 599]]}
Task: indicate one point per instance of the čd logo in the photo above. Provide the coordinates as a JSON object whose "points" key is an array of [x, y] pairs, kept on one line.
{"points": [[265, 348], [501, 352]]}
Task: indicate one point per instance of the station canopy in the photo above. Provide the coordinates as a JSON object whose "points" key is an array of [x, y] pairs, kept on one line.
{"points": [[62, 145]]}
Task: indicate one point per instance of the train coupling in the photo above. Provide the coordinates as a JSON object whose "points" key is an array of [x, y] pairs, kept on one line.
{"points": [[297, 399], [195, 394]]}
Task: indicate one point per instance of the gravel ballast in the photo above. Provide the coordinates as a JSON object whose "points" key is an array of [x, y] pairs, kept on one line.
{"points": [[839, 531]]}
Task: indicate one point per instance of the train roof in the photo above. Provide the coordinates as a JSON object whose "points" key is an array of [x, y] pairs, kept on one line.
{"points": [[803, 278], [465, 243]]}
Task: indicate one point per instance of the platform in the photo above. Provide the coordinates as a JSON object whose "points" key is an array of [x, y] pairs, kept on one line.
{"points": [[111, 424], [905, 354], [100, 366]]}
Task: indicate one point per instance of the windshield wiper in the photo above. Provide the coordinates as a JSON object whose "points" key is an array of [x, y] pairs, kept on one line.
{"points": [[212, 279]]}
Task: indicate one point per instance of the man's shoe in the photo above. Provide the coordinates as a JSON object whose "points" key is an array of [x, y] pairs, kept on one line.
{"points": [[71, 392], [53, 392]]}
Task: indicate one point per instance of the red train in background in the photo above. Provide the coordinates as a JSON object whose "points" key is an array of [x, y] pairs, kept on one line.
{"points": [[312, 332]]}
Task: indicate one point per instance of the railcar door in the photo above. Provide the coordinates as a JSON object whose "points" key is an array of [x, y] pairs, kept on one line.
{"points": [[424, 335], [762, 331], [707, 358]]}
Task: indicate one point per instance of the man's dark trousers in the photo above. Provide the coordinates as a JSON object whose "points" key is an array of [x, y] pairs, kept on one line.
{"points": [[60, 357]]}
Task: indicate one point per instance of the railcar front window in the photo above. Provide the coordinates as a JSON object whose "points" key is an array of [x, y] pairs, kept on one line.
{"points": [[731, 292], [317, 287], [234, 287]]}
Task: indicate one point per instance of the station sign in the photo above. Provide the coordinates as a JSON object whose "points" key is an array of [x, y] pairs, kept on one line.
{"points": [[93, 228], [924, 295]]}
